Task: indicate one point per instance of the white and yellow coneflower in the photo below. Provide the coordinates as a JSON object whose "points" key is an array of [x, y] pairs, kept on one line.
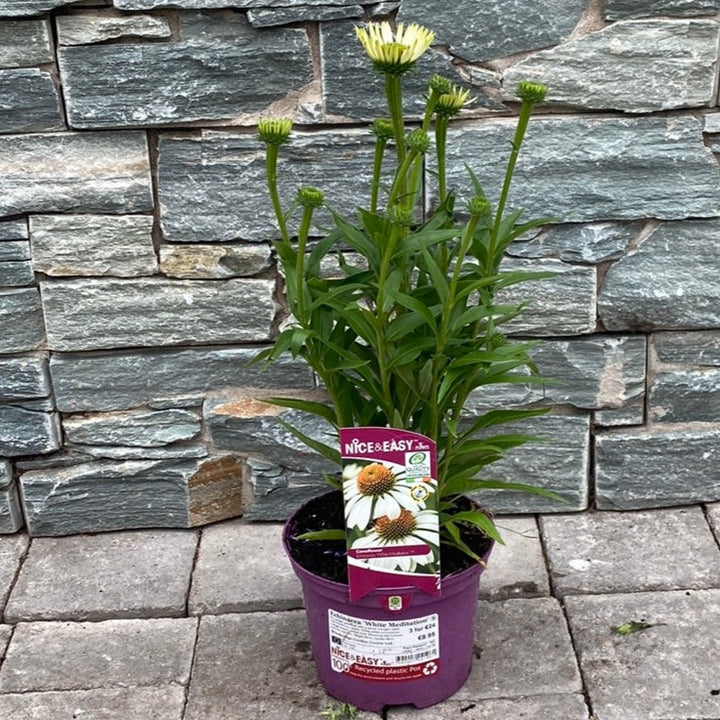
{"points": [[394, 51]]}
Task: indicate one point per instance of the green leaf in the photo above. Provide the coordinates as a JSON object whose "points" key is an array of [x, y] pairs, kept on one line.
{"points": [[481, 521], [309, 406], [322, 535], [326, 451]]}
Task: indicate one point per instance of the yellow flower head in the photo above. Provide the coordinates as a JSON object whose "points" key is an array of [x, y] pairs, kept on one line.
{"points": [[451, 103], [394, 51], [274, 131]]}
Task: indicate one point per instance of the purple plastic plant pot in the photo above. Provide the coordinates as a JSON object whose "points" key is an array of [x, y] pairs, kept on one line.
{"points": [[395, 646]]}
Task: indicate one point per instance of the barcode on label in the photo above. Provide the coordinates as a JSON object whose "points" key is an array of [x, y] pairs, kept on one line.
{"points": [[415, 657]]}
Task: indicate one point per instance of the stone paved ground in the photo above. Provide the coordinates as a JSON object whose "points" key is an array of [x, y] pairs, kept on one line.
{"points": [[208, 625]]}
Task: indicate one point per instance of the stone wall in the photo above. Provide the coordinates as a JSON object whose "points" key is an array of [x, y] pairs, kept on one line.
{"points": [[137, 278]]}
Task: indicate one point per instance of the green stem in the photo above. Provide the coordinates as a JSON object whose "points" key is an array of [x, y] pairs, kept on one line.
{"points": [[393, 91], [303, 232], [377, 169], [416, 176], [523, 119], [400, 179], [271, 158], [441, 127]]}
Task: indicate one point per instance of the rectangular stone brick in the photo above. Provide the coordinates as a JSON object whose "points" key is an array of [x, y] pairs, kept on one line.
{"points": [[24, 43], [22, 378], [11, 515], [127, 379], [566, 160], [89, 245], [21, 319], [13, 250], [194, 78], [681, 396], [105, 313], [104, 172], [637, 469], [30, 101], [48, 656], [93, 27], [114, 495], [14, 229], [700, 348], [16, 274], [26, 431]]}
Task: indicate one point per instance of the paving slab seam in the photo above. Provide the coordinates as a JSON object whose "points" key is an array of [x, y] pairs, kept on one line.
{"points": [[716, 535], [16, 577], [191, 578], [188, 685], [561, 601]]}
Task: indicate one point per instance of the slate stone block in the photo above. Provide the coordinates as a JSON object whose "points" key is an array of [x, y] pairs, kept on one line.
{"points": [[619, 9], [269, 17], [564, 304], [700, 348], [214, 261], [27, 432], [22, 378], [92, 27], [610, 552], [558, 462], [637, 469], [24, 43], [590, 244], [568, 167], [634, 66], [656, 673], [220, 69], [73, 656], [14, 274], [17, 8], [494, 29], [595, 372], [11, 516], [127, 379], [114, 495], [30, 102], [682, 396], [649, 290], [141, 428], [14, 229], [241, 4], [106, 172], [191, 169], [249, 426], [107, 313], [14, 250], [91, 245]]}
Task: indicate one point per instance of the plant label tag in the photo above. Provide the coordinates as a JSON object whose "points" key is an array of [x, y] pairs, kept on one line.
{"points": [[391, 510]]}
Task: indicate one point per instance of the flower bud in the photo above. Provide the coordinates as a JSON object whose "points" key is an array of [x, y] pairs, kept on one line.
{"points": [[478, 205], [418, 140], [310, 197], [274, 131], [382, 129], [441, 85], [495, 340], [401, 216], [451, 103], [531, 92]]}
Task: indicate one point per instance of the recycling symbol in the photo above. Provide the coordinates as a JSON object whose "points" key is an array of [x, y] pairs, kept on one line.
{"points": [[430, 668]]}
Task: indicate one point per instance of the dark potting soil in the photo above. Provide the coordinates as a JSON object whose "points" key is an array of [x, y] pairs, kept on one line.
{"points": [[328, 558]]}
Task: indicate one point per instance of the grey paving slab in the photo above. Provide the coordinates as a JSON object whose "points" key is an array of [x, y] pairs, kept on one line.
{"points": [[114, 653], [516, 569], [242, 568], [111, 575], [538, 707], [523, 648], [136, 703], [260, 662], [668, 671], [12, 551], [607, 552]]}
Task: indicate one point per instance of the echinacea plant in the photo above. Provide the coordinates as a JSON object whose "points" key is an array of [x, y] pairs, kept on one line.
{"points": [[405, 336]]}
